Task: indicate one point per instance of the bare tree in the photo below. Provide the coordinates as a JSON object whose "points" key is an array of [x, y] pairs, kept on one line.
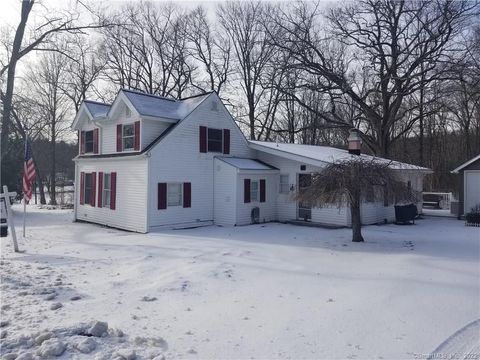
{"points": [[243, 22], [386, 41], [349, 182]]}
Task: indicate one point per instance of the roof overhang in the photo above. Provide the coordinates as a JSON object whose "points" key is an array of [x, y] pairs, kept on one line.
{"points": [[464, 165], [288, 155], [82, 111]]}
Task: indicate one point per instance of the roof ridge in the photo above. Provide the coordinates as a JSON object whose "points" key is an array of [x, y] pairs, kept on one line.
{"points": [[197, 95], [97, 102], [146, 94]]}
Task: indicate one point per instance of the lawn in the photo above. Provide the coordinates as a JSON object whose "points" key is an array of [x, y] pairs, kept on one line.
{"points": [[261, 291]]}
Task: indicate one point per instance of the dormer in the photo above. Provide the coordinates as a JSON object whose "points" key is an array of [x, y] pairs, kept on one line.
{"points": [[86, 123]]}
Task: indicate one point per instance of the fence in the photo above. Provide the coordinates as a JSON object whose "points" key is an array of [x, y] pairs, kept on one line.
{"points": [[444, 199]]}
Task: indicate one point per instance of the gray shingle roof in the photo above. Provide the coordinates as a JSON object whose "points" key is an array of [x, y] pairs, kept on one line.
{"points": [[97, 108]]}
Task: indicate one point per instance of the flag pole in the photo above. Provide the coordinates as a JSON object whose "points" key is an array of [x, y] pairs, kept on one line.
{"points": [[24, 198]]}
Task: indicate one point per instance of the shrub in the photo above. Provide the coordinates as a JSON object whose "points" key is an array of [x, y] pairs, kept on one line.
{"points": [[473, 217]]}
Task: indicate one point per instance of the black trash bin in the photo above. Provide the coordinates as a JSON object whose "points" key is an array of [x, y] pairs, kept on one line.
{"points": [[404, 214]]}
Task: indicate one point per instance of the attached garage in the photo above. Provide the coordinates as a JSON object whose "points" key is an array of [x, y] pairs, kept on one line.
{"points": [[469, 184]]}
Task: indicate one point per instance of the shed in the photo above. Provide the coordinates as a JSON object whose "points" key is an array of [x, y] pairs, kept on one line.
{"points": [[469, 184]]}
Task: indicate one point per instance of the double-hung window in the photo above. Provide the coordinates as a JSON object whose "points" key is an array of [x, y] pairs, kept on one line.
{"points": [[174, 194], [254, 190], [89, 141], [88, 188], [128, 137], [284, 188], [107, 188], [215, 140]]}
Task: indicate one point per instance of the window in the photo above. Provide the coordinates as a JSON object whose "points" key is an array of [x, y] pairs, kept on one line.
{"points": [[128, 112], [254, 190], [107, 188], [174, 194], [88, 188], [128, 137], [215, 140], [89, 141], [284, 186]]}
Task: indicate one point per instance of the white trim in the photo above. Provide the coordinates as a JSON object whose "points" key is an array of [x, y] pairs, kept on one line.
{"points": [[455, 171], [465, 187]]}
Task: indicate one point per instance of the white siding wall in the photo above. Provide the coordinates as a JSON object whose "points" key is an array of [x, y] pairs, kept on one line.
{"points": [[150, 130], [109, 129], [268, 209], [177, 159], [225, 184], [287, 206], [131, 194]]}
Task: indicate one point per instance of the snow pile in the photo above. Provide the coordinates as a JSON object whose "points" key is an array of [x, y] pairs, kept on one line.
{"points": [[264, 291]]}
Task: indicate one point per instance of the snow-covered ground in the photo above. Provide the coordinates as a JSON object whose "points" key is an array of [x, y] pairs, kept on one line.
{"points": [[262, 291]]}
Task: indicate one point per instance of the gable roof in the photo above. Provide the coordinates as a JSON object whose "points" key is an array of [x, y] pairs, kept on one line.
{"points": [[319, 155], [96, 108], [162, 107], [246, 164], [464, 165]]}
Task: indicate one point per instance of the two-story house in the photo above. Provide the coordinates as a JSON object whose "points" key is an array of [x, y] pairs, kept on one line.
{"points": [[146, 162]]}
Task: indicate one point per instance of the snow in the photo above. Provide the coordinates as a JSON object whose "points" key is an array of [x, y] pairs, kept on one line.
{"points": [[246, 164], [326, 154], [261, 291]]}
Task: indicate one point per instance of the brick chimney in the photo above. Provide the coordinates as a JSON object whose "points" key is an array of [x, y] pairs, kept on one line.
{"points": [[354, 142]]}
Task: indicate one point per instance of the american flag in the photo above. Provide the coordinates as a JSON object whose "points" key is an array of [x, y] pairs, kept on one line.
{"points": [[28, 172]]}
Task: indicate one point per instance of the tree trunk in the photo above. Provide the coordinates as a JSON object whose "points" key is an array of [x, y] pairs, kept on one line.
{"points": [[356, 223]]}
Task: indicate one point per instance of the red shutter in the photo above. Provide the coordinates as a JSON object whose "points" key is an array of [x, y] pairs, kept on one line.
{"points": [[262, 190], [136, 141], [119, 138], [162, 196], [94, 187], [226, 141], [203, 139], [113, 190], [82, 188], [246, 190], [95, 141], [100, 189], [82, 142], [187, 195]]}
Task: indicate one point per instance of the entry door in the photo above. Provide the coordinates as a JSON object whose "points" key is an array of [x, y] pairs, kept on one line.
{"points": [[304, 208]]}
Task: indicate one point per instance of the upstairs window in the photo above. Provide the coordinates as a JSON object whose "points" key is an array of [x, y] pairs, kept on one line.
{"points": [[89, 141], [215, 140], [128, 137]]}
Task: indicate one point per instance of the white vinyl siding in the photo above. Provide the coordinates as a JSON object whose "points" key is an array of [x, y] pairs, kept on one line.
{"points": [[176, 158], [131, 194]]}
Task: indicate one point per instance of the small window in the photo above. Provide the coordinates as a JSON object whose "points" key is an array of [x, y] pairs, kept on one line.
{"points": [[128, 137], [88, 188], [89, 141], [215, 140], [254, 191], [284, 186], [128, 112], [174, 194], [106, 190]]}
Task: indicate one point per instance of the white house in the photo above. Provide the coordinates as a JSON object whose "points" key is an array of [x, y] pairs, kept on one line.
{"points": [[147, 162], [469, 185]]}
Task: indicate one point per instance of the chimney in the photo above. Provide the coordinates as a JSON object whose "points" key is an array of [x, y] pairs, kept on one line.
{"points": [[354, 142]]}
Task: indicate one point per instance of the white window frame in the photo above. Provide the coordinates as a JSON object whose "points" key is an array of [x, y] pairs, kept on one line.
{"points": [[124, 137], [254, 194], [283, 184], [90, 151], [179, 194], [106, 192], [86, 200]]}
